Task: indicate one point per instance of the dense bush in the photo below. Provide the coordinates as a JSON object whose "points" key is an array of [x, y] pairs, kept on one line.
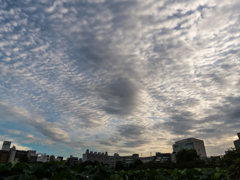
{"points": [[187, 155], [234, 170], [229, 158], [58, 171]]}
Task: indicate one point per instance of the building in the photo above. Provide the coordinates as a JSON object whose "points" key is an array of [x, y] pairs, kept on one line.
{"points": [[52, 158], [95, 156], [4, 156], [72, 160], [12, 154], [237, 142], [191, 143], [60, 158], [127, 160], [6, 145], [32, 155], [162, 157], [42, 157], [147, 159]]}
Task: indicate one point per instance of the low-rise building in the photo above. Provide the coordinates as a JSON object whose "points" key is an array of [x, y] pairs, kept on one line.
{"points": [[72, 160], [42, 157], [162, 157], [127, 160], [147, 159], [32, 155], [60, 158], [95, 156], [4, 156]]}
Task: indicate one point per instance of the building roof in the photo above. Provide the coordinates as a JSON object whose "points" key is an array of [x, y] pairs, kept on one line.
{"points": [[188, 139]]}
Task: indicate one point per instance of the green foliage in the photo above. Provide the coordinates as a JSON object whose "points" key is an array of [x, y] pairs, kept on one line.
{"points": [[25, 159], [115, 177], [119, 165], [138, 162], [59, 171], [187, 155], [234, 170], [62, 175], [228, 159]]}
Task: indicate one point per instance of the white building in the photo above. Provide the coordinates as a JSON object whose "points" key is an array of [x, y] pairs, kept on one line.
{"points": [[42, 157], [191, 143]]}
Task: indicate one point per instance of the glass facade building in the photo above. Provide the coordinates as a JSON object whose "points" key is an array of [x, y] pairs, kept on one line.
{"points": [[176, 148], [191, 143]]}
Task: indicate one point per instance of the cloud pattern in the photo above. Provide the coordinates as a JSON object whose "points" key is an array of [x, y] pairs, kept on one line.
{"points": [[120, 75]]}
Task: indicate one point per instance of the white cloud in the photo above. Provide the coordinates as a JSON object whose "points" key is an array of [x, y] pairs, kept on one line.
{"points": [[91, 70]]}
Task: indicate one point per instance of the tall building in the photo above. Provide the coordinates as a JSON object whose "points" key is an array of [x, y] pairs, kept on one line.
{"points": [[6, 145], [237, 142], [191, 143]]}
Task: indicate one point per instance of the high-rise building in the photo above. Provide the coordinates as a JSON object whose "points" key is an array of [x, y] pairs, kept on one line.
{"points": [[191, 143], [6, 145]]}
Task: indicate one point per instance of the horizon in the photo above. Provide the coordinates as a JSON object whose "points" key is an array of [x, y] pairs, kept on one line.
{"points": [[119, 75]]}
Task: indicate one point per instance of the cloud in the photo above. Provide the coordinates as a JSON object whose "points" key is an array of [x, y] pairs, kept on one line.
{"points": [[50, 130], [126, 72], [131, 131]]}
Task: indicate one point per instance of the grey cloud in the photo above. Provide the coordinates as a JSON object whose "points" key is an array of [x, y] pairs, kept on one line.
{"points": [[189, 102], [132, 131], [121, 97], [111, 141], [206, 130], [51, 130], [136, 143]]}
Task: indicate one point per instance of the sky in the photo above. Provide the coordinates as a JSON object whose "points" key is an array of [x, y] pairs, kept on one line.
{"points": [[122, 76]]}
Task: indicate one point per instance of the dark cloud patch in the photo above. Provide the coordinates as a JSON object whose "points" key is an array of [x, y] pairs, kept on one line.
{"points": [[180, 126], [206, 131], [121, 97], [227, 67], [217, 79], [111, 141], [136, 143], [131, 131]]}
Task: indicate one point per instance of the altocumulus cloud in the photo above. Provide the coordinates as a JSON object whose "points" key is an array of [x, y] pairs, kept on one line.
{"points": [[127, 72]]}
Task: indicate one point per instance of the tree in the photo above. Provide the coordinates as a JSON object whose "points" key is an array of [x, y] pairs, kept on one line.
{"points": [[187, 155], [138, 162], [119, 166], [25, 159], [230, 156]]}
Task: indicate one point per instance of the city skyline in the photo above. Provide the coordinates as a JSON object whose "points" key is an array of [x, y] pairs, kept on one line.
{"points": [[119, 76]]}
